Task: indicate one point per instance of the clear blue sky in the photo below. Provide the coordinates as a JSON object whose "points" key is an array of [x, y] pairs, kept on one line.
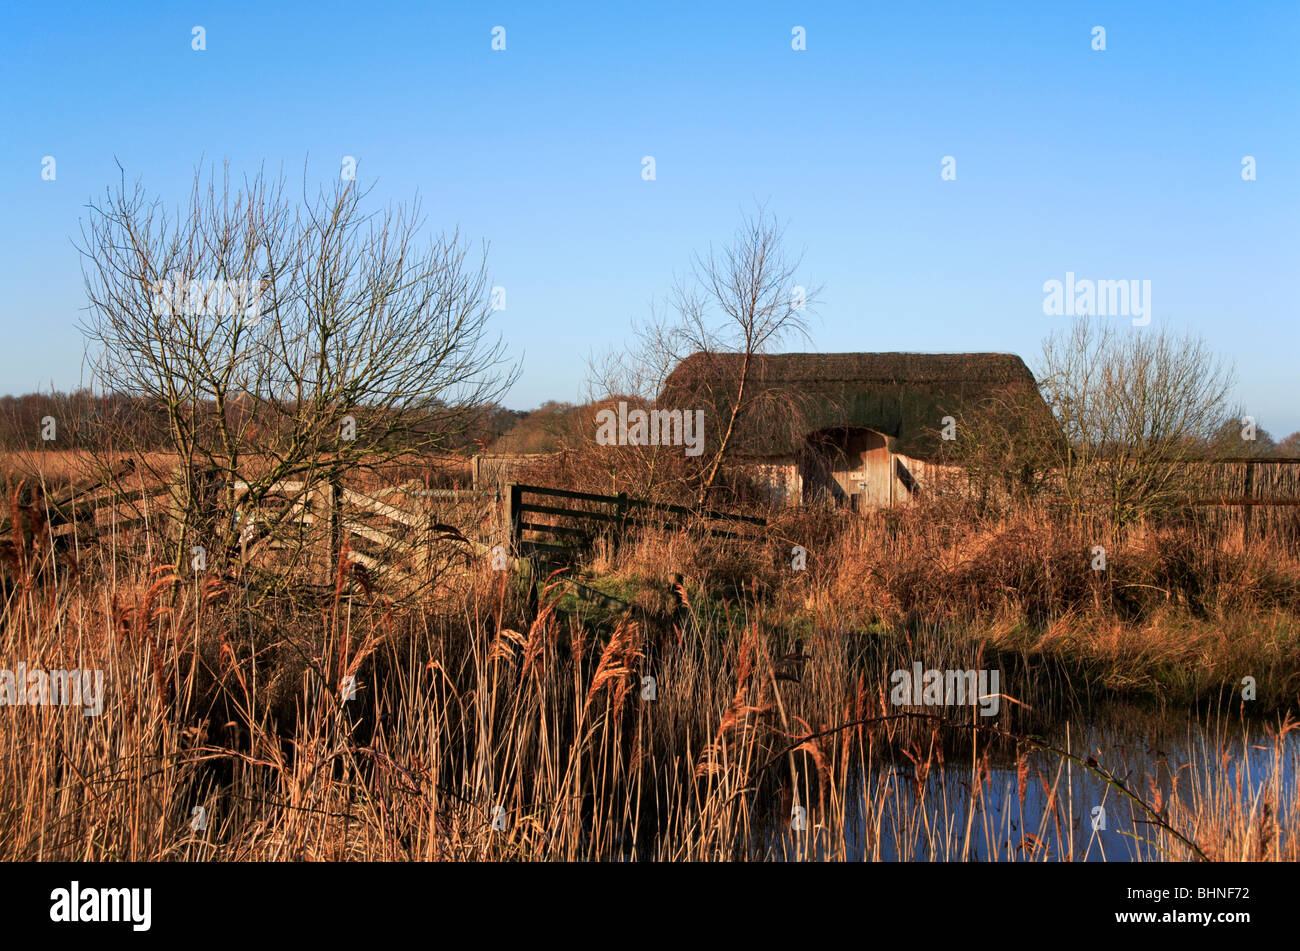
{"points": [[1123, 164]]}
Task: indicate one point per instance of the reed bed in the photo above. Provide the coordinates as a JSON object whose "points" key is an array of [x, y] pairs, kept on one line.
{"points": [[245, 722]]}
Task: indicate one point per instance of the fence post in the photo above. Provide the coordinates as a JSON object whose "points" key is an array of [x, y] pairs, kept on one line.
{"points": [[514, 515]]}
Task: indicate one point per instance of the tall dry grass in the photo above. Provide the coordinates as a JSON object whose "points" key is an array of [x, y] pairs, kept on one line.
{"points": [[479, 730]]}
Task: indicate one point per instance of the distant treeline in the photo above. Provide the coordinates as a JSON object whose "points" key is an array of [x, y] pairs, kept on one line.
{"points": [[85, 420], [76, 420]]}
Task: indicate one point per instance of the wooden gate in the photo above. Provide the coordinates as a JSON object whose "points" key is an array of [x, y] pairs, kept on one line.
{"points": [[563, 524]]}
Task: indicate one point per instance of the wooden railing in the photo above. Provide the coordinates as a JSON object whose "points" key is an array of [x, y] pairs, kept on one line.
{"points": [[571, 529]]}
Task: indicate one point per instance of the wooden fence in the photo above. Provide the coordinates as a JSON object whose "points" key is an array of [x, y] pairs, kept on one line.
{"points": [[1249, 481], [1259, 497], [397, 532], [393, 531], [569, 529]]}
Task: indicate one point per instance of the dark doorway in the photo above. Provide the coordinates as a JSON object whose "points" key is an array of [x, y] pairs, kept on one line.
{"points": [[846, 466]]}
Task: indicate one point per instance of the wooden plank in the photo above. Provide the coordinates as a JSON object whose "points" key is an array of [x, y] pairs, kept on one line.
{"points": [[405, 486], [454, 494], [372, 534], [381, 508], [87, 510], [566, 494], [90, 525], [639, 503], [88, 498], [275, 488], [608, 518], [372, 563], [556, 529], [569, 513], [123, 468]]}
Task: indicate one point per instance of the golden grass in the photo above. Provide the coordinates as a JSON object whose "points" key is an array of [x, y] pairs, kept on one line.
{"points": [[479, 731]]}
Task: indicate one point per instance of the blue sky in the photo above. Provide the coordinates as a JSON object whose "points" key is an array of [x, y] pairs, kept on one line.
{"points": [[1122, 164]]}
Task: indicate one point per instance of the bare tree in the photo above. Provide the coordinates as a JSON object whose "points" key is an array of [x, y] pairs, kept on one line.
{"points": [[733, 304], [636, 376], [285, 340], [1135, 406]]}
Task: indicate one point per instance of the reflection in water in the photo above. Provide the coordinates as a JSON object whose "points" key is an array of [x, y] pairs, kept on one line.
{"points": [[1206, 778]]}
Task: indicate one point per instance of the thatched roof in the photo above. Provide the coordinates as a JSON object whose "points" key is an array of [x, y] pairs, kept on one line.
{"points": [[903, 396]]}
